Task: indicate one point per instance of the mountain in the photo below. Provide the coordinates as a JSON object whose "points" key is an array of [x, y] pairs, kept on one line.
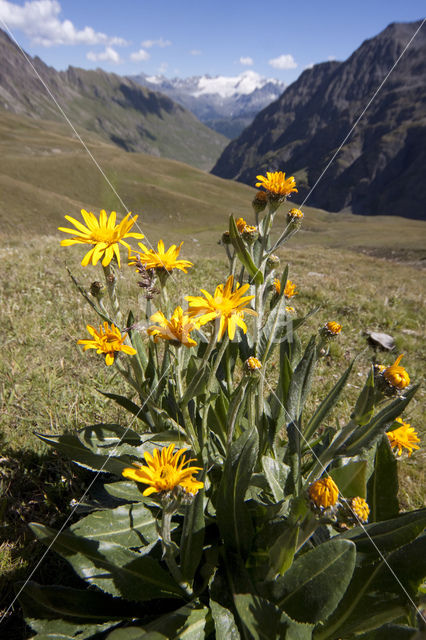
{"points": [[224, 103], [133, 117], [381, 166]]}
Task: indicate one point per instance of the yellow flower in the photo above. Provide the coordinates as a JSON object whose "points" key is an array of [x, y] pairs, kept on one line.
{"points": [[324, 492], [160, 259], [360, 508], [277, 184], [290, 289], [295, 214], [290, 309], [165, 470], [225, 304], [107, 341], [253, 363], [396, 376], [104, 234], [241, 224], [334, 328], [177, 329], [403, 437]]}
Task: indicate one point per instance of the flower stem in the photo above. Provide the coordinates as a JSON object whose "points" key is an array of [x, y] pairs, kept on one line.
{"points": [[167, 545], [111, 283]]}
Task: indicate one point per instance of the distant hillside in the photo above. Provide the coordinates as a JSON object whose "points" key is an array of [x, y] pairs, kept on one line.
{"points": [[119, 110], [381, 167], [226, 104]]}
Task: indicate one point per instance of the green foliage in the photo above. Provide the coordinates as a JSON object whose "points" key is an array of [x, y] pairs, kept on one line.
{"points": [[253, 546]]}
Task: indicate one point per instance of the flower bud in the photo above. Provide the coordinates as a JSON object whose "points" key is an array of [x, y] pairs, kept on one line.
{"points": [[97, 289], [323, 493], [260, 201], [226, 238], [250, 234], [272, 262]]}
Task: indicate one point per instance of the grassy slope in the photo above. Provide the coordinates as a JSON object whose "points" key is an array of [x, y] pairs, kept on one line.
{"points": [[48, 384]]}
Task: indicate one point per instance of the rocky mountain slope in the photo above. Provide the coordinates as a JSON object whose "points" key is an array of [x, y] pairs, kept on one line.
{"points": [[226, 104], [381, 166], [133, 117]]}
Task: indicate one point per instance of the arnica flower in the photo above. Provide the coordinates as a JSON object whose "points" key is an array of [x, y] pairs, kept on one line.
{"points": [[290, 288], [333, 328], [160, 259], [290, 309], [104, 234], [108, 341], [177, 329], [294, 214], [226, 304], [360, 509], [396, 376], [164, 471], [241, 224], [252, 364], [404, 437], [277, 184], [324, 492]]}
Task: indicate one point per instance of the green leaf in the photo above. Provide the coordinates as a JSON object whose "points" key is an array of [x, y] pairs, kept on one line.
{"points": [[282, 552], [391, 632], [264, 621], [301, 382], [232, 514], [74, 605], [72, 447], [313, 586], [382, 488], [368, 435], [192, 539], [128, 525], [351, 479], [126, 490], [130, 406], [242, 253], [64, 630], [224, 622], [365, 404], [186, 623], [327, 404], [388, 535], [110, 567], [276, 473]]}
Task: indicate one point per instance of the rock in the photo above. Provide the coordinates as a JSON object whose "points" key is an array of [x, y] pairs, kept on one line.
{"points": [[383, 340]]}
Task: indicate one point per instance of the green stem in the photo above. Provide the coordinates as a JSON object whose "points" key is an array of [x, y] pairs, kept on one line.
{"points": [[210, 381], [234, 408], [167, 545], [111, 283], [189, 427]]}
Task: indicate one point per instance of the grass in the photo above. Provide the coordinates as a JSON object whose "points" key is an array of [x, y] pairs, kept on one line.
{"points": [[353, 267]]}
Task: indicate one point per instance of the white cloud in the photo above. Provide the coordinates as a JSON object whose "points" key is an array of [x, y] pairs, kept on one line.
{"points": [[108, 55], [331, 58], [138, 56], [156, 43], [285, 61], [247, 61], [39, 20], [195, 52]]}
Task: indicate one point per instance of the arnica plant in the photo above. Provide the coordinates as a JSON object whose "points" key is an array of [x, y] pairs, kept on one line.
{"points": [[234, 505]]}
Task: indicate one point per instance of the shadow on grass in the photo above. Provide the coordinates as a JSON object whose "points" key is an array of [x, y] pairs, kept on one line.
{"points": [[33, 488]]}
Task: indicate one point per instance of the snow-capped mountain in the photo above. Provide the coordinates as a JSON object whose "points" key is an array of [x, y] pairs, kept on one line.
{"points": [[227, 104]]}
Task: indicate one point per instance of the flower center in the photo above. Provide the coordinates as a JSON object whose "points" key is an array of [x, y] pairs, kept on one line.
{"points": [[104, 235]]}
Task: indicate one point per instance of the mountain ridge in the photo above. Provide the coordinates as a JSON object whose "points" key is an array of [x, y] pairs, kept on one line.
{"points": [[378, 168], [227, 104], [133, 117]]}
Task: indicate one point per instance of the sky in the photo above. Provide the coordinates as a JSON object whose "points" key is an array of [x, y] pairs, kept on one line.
{"points": [[196, 37]]}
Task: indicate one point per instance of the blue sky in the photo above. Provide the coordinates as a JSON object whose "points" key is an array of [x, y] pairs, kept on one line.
{"points": [[188, 37]]}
